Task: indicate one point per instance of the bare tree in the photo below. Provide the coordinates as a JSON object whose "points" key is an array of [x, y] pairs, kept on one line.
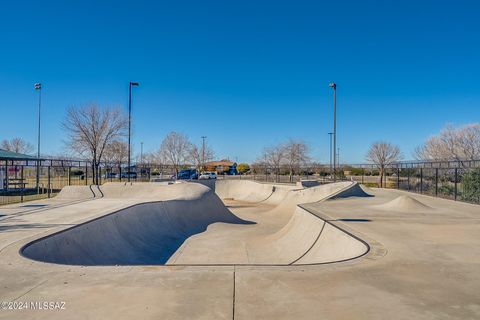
{"points": [[273, 157], [383, 154], [199, 156], [452, 144], [258, 167], [17, 145], [296, 153], [116, 153], [158, 161], [176, 149], [317, 167], [90, 129]]}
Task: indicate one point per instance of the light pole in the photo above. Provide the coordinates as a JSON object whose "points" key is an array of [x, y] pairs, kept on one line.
{"points": [[141, 159], [38, 87], [203, 152], [338, 158], [333, 85], [132, 84], [330, 134]]}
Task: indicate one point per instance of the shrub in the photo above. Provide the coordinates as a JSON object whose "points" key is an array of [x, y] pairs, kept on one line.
{"points": [[446, 189], [243, 168], [471, 186]]}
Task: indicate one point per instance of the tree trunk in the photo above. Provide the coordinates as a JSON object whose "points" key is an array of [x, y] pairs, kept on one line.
{"points": [[97, 173], [381, 177]]}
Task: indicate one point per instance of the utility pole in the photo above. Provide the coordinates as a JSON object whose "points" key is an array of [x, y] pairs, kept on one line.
{"points": [[38, 87], [333, 85], [132, 84], [203, 152], [330, 134]]}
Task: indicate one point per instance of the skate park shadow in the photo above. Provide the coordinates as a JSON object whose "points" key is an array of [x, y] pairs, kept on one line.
{"points": [[353, 220], [144, 234], [355, 191], [208, 183], [34, 206], [26, 226]]}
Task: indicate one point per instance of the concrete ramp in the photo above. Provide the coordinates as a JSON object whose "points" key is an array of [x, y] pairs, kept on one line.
{"points": [[288, 202], [306, 238], [404, 203], [289, 243], [76, 193], [251, 191], [191, 225], [332, 245], [143, 234]]}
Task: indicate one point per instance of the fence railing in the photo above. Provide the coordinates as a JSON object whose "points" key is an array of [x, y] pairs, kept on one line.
{"points": [[19, 181], [457, 180]]}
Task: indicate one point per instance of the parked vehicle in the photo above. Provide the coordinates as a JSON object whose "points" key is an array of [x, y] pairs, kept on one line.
{"points": [[208, 175], [187, 174], [111, 175], [131, 174]]}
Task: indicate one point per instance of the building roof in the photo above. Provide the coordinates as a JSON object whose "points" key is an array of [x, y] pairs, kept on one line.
{"points": [[225, 163], [10, 155]]}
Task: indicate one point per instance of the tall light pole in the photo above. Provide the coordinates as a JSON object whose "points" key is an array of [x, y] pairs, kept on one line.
{"points": [[333, 85], [338, 158], [141, 159], [38, 87], [330, 134], [132, 84], [203, 152]]}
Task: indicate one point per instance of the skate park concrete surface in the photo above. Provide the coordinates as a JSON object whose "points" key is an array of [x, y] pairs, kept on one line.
{"points": [[240, 250]]}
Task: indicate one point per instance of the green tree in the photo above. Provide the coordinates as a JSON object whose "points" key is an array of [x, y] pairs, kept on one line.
{"points": [[243, 168]]}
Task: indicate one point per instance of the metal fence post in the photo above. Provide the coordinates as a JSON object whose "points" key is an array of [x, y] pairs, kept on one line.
{"points": [[436, 182], [6, 175], [398, 178], [408, 179], [48, 184], [22, 185], [86, 173], [456, 181], [69, 175], [421, 180]]}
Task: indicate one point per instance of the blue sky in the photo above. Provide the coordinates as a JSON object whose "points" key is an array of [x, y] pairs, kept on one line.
{"points": [[246, 74]]}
